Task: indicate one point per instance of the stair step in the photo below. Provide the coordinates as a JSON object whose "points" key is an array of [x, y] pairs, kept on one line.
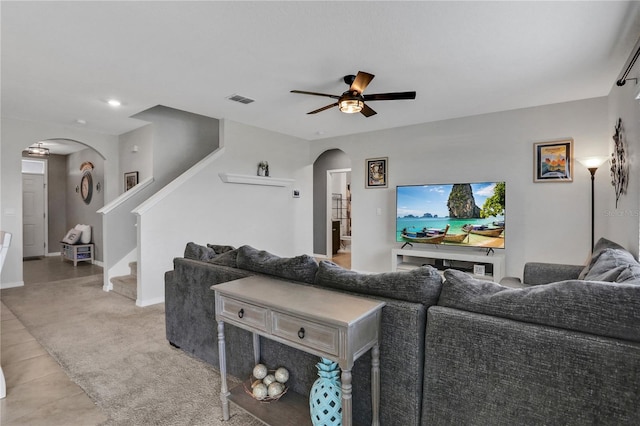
{"points": [[134, 268], [126, 285]]}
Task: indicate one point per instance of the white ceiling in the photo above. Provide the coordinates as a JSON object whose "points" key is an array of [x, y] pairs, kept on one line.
{"points": [[62, 60]]}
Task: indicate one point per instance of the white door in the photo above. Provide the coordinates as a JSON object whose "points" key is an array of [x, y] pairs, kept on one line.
{"points": [[33, 215]]}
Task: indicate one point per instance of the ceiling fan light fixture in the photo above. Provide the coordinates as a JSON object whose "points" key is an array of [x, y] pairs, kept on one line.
{"points": [[351, 106], [38, 150]]}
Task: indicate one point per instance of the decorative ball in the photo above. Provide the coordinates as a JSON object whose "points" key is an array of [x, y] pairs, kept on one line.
{"points": [[282, 375], [260, 371], [255, 383], [275, 389], [260, 391], [269, 379]]}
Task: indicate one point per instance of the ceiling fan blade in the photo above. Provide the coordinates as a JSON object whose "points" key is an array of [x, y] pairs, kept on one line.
{"points": [[303, 92], [323, 108], [367, 112], [389, 96], [361, 82]]}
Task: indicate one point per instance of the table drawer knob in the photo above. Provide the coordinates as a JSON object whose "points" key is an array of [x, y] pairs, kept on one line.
{"points": [[301, 333], [241, 313]]}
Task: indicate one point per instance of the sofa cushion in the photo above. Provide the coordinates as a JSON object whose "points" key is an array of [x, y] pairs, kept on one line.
{"points": [[598, 248], [421, 285], [300, 268], [198, 252], [607, 309], [609, 264], [219, 249], [226, 258]]}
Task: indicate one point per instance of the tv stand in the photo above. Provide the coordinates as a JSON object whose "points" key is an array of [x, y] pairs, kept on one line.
{"points": [[407, 244], [481, 266]]}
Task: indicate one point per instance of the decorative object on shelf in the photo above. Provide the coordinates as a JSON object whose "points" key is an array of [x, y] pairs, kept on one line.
{"points": [[265, 385], [260, 371], [325, 400], [552, 161], [619, 166], [86, 182], [263, 169], [376, 172], [130, 180]]}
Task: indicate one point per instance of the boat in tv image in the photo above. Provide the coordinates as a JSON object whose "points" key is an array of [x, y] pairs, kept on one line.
{"points": [[461, 214]]}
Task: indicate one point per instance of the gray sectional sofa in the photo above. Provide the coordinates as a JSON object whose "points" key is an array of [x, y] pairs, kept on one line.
{"points": [[564, 349]]}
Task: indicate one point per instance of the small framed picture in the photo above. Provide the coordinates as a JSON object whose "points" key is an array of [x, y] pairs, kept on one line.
{"points": [[553, 161], [130, 180], [376, 172]]}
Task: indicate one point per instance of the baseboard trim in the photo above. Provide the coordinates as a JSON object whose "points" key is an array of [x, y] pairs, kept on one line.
{"points": [[12, 285], [149, 302]]}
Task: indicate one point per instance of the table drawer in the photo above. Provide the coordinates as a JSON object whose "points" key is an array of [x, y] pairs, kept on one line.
{"points": [[243, 312], [310, 334]]}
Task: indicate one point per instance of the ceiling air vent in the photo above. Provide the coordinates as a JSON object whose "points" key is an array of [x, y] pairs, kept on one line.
{"points": [[241, 99]]}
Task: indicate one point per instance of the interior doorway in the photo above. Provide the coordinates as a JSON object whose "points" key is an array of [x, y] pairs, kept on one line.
{"points": [[338, 245]]}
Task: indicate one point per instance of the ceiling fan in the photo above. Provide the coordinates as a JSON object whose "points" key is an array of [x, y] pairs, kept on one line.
{"points": [[353, 100]]}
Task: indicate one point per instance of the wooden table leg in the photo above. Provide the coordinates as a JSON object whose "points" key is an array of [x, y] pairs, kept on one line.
{"points": [[375, 385], [224, 390], [345, 378]]}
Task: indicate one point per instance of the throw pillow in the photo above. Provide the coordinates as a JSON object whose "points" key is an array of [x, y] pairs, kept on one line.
{"points": [[72, 237], [85, 237], [421, 285], [606, 309], [601, 245], [227, 258], [198, 252], [220, 249], [300, 268], [609, 264], [631, 275]]}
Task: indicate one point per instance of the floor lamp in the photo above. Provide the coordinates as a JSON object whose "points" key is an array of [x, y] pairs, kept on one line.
{"points": [[592, 164]]}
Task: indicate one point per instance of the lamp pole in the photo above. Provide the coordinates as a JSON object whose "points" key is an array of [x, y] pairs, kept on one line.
{"points": [[592, 170], [592, 164]]}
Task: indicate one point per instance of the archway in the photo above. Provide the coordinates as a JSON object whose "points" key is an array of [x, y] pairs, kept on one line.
{"points": [[67, 167], [332, 160]]}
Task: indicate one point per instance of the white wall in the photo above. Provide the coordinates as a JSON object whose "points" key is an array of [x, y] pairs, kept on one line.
{"points": [[17, 135], [622, 224], [206, 210], [545, 221], [140, 161]]}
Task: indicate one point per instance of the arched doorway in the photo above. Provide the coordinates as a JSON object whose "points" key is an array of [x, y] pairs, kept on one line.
{"points": [[331, 179], [66, 204]]}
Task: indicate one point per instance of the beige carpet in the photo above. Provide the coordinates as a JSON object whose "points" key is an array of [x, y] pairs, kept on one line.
{"points": [[117, 352]]}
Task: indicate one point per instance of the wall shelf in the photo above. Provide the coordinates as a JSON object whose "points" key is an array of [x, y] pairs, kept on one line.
{"points": [[254, 180]]}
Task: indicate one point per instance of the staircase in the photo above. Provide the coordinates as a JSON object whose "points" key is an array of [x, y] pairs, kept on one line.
{"points": [[127, 285]]}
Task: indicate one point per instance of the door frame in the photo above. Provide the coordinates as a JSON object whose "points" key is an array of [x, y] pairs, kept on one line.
{"points": [[329, 242], [45, 219]]}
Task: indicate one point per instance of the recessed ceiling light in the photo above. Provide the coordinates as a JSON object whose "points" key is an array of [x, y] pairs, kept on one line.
{"points": [[81, 121], [114, 102]]}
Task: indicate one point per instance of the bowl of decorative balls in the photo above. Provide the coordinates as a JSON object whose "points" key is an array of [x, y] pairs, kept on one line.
{"points": [[267, 385]]}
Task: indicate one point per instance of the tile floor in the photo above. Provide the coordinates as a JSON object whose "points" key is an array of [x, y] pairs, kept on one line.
{"points": [[38, 390]]}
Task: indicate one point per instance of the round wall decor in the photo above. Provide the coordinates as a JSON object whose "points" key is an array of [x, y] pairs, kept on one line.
{"points": [[86, 187]]}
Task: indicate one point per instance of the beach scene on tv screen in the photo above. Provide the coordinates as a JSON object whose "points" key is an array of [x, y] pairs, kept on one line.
{"points": [[462, 214]]}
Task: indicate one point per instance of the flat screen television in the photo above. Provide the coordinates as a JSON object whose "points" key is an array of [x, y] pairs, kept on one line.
{"points": [[460, 214]]}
